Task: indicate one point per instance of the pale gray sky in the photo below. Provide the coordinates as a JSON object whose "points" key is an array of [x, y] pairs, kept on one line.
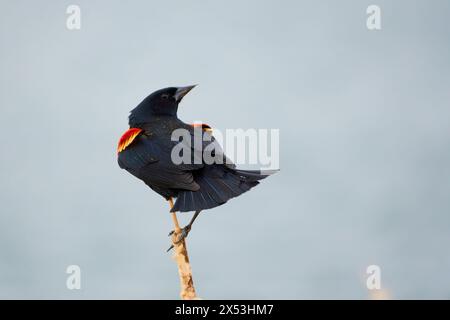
{"points": [[364, 121]]}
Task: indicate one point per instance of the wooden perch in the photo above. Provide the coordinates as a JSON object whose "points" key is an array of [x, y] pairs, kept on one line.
{"points": [[182, 259]]}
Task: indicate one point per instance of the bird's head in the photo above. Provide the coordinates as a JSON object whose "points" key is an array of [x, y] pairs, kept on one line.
{"points": [[161, 102]]}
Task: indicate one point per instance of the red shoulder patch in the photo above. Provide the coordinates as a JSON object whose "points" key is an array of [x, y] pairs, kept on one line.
{"points": [[204, 126], [127, 138]]}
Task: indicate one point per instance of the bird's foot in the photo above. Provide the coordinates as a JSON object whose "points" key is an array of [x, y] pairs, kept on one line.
{"points": [[181, 236]]}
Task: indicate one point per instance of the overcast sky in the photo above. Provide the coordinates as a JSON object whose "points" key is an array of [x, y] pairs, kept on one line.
{"points": [[364, 120]]}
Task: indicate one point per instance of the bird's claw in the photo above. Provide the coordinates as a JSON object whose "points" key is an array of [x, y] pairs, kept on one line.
{"points": [[183, 235]]}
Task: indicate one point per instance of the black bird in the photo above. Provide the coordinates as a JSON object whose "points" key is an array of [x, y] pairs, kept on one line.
{"points": [[145, 152]]}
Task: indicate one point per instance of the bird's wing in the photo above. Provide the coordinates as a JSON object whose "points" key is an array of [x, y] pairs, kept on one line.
{"points": [[148, 161], [137, 154], [208, 146]]}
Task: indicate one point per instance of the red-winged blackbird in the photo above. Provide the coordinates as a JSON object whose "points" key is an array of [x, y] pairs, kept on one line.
{"points": [[145, 152]]}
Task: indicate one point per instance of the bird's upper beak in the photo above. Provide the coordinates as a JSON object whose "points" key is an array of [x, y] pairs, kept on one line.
{"points": [[182, 91]]}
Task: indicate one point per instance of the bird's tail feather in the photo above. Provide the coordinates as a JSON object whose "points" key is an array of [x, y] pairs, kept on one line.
{"points": [[218, 184]]}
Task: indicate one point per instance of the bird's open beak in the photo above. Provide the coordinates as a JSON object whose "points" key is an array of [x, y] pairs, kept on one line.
{"points": [[182, 91]]}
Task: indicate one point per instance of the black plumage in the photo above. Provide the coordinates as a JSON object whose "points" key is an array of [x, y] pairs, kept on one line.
{"points": [[196, 186]]}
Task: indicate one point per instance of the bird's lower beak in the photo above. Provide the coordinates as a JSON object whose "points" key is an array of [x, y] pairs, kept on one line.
{"points": [[182, 91]]}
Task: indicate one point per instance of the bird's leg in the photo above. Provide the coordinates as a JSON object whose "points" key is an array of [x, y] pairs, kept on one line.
{"points": [[187, 228], [185, 231], [193, 219]]}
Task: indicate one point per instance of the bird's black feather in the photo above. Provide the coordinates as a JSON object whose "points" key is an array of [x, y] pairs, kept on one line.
{"points": [[197, 186]]}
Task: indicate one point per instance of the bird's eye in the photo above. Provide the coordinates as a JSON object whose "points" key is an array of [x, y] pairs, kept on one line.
{"points": [[165, 96]]}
